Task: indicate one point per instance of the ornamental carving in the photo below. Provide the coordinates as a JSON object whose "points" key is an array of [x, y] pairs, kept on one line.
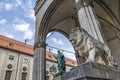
{"points": [[9, 66], [88, 2], [82, 3], [24, 68], [39, 44]]}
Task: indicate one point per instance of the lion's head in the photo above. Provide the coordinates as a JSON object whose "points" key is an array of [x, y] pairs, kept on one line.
{"points": [[76, 36]]}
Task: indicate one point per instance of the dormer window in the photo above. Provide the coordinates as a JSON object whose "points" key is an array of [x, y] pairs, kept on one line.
{"points": [[11, 57], [50, 56], [72, 62], [11, 44]]}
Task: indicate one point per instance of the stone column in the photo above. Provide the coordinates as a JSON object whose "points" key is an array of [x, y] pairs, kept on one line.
{"points": [[88, 19], [39, 66]]}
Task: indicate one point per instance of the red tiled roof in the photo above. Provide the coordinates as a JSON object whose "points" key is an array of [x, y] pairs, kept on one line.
{"points": [[18, 46], [51, 56], [28, 49], [71, 62]]}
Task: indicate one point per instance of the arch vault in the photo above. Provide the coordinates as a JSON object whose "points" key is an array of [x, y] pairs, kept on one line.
{"points": [[95, 16]]}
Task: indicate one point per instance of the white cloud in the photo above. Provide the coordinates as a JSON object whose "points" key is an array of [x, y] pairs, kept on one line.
{"points": [[71, 53], [9, 35], [57, 41], [18, 2], [8, 6], [3, 21], [28, 34], [67, 54], [27, 7], [22, 26]]}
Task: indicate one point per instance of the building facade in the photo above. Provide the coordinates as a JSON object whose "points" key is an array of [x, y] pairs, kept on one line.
{"points": [[16, 61]]}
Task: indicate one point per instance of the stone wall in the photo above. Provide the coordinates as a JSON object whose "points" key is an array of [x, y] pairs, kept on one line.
{"points": [[21, 63], [115, 48], [15, 62]]}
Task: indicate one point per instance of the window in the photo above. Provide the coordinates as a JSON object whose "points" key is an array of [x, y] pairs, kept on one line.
{"points": [[47, 65], [24, 75], [11, 44], [8, 75], [25, 60], [11, 57], [47, 72], [47, 77], [0, 52], [50, 56], [118, 35]]}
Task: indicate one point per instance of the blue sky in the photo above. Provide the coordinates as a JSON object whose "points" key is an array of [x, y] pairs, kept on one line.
{"points": [[57, 40], [17, 21]]}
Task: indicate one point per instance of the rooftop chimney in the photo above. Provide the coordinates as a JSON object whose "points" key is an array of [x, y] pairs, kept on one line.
{"points": [[26, 41], [50, 49]]}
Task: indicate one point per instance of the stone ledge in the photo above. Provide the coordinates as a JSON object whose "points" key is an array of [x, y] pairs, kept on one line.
{"points": [[92, 71]]}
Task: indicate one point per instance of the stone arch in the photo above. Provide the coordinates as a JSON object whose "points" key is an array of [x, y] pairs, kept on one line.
{"points": [[79, 59], [42, 28], [47, 15], [60, 13], [55, 5]]}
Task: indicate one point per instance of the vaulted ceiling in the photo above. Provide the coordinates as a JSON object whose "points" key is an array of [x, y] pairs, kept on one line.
{"points": [[113, 6], [108, 9], [108, 12]]}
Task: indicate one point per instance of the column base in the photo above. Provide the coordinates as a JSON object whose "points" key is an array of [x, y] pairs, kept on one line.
{"points": [[91, 71], [58, 76]]}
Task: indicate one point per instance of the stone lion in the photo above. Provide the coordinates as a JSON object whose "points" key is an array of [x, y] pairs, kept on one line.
{"points": [[89, 48]]}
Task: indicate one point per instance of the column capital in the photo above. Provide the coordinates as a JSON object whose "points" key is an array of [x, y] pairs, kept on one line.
{"points": [[39, 45], [83, 3]]}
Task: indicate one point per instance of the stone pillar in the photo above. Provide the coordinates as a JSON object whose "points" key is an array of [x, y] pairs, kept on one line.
{"points": [[87, 18], [39, 66]]}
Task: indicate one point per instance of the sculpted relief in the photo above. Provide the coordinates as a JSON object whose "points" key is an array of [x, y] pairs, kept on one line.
{"points": [[91, 49]]}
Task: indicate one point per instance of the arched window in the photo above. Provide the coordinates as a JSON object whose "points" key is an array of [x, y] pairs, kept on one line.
{"points": [[8, 75], [24, 75]]}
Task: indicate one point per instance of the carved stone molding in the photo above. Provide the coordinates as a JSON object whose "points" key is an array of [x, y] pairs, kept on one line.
{"points": [[38, 5], [118, 35], [9, 66], [39, 44], [24, 68], [83, 3]]}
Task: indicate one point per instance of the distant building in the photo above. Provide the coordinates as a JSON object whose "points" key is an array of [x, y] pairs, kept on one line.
{"points": [[16, 61]]}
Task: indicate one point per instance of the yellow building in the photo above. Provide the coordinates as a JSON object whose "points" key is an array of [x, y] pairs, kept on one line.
{"points": [[16, 61]]}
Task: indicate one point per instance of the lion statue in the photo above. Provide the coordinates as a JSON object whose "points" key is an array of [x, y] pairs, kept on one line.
{"points": [[91, 49]]}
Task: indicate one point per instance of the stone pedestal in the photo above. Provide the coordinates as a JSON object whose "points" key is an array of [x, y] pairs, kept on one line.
{"points": [[91, 71], [58, 76]]}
